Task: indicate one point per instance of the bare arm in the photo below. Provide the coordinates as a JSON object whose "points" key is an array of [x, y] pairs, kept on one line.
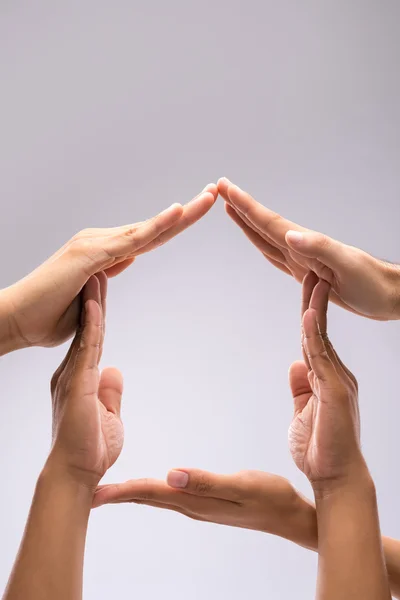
{"points": [[87, 440], [351, 561], [50, 560]]}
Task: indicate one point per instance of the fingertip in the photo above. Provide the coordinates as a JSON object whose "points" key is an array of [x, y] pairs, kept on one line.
{"points": [[205, 200], [223, 184], [234, 192], [92, 312], [309, 320], [112, 377], [212, 188], [91, 288], [176, 209]]}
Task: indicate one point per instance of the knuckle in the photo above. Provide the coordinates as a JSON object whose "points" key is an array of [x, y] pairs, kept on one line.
{"points": [[318, 354], [202, 485], [131, 233], [273, 218], [80, 235], [145, 494], [323, 241]]}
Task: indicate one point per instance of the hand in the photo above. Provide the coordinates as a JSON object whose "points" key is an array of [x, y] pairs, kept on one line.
{"points": [[324, 435], [87, 429], [43, 308], [360, 283], [250, 499]]}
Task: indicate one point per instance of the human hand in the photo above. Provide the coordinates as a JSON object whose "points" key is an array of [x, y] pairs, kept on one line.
{"points": [[324, 436], [249, 499], [359, 282], [43, 308], [87, 429]]}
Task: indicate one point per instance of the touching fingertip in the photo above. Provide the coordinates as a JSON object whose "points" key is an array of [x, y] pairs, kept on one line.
{"points": [[177, 479], [208, 187]]}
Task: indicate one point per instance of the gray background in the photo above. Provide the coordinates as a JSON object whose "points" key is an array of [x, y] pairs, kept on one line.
{"points": [[111, 111]]}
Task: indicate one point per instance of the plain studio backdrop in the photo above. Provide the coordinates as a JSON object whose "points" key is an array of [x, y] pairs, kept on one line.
{"points": [[111, 111]]}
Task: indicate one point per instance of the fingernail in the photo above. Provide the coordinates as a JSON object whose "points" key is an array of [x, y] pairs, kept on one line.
{"points": [[206, 188], [296, 237], [226, 180], [177, 479]]}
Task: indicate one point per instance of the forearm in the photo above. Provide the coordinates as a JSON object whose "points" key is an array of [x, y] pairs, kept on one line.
{"points": [[50, 560], [391, 549], [351, 561]]}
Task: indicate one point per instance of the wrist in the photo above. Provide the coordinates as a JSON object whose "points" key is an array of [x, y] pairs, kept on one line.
{"points": [[10, 338], [392, 279], [57, 478], [355, 482]]}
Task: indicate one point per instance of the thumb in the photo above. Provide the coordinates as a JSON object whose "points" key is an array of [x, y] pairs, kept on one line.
{"points": [[299, 385], [110, 390], [317, 245]]}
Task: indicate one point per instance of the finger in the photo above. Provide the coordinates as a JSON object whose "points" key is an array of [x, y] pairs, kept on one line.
{"points": [[299, 385], [131, 239], [264, 219], [315, 349], [134, 489], [309, 283], [329, 252], [143, 491], [169, 507], [110, 390], [203, 483], [87, 355], [259, 242], [307, 288], [119, 267], [319, 301], [259, 231], [91, 290], [103, 283], [192, 212], [58, 373]]}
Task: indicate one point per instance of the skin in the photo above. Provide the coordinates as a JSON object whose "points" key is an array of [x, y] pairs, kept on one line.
{"points": [[87, 440], [248, 499], [324, 441], [43, 309], [359, 282]]}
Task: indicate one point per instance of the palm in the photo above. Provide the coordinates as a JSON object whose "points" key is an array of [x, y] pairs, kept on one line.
{"points": [[47, 305], [94, 432], [310, 439]]}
